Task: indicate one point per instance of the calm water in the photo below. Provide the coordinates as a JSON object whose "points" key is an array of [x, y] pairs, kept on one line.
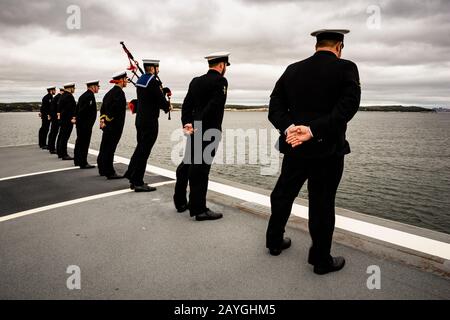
{"points": [[399, 167]]}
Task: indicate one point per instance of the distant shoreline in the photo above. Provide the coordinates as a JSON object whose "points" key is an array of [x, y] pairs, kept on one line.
{"points": [[34, 107]]}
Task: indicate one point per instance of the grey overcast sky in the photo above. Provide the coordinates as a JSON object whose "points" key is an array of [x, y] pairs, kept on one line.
{"points": [[403, 54]]}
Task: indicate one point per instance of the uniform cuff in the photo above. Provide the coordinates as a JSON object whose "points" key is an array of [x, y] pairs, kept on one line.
{"points": [[285, 131]]}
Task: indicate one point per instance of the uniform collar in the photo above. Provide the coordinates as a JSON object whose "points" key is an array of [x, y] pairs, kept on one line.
{"points": [[210, 71], [325, 52]]}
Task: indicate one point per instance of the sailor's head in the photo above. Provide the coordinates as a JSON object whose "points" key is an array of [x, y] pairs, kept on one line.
{"points": [[218, 61], [61, 90], [69, 87], [120, 78], [51, 90], [330, 40], [93, 85], [151, 66]]}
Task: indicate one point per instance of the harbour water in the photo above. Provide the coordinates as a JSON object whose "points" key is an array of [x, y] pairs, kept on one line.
{"points": [[399, 168]]}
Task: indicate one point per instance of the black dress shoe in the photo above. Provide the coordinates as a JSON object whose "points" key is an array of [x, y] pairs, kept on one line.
{"points": [[284, 245], [52, 151], [87, 166], [67, 158], [180, 207], [143, 188], [44, 147], [334, 264], [208, 215], [114, 176]]}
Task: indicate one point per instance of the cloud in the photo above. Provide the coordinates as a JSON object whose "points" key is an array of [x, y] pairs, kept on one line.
{"points": [[408, 53]]}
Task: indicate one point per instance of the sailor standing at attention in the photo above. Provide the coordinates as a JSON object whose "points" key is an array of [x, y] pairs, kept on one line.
{"points": [[311, 105], [203, 109], [112, 120], [66, 106], [54, 121], [44, 115], [86, 114], [151, 98]]}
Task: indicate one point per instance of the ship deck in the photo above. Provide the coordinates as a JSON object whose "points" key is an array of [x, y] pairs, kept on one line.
{"points": [[136, 246]]}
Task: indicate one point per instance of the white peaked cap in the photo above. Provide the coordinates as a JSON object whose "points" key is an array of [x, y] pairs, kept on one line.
{"points": [[92, 82], [221, 56], [69, 85], [119, 75]]}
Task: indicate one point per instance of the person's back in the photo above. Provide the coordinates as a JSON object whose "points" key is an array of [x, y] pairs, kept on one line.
{"points": [[86, 112], [54, 106], [67, 105], [206, 107], [114, 107], [313, 88], [150, 99]]}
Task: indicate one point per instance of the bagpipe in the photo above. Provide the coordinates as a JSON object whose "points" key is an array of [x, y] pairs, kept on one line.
{"points": [[134, 68]]}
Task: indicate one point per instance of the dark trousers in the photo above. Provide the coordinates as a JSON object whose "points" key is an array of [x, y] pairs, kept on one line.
{"points": [[195, 173], [82, 143], [146, 138], [54, 129], [43, 131], [105, 159], [323, 177], [63, 138]]}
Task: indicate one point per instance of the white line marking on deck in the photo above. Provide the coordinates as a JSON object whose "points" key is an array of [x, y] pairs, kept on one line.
{"points": [[20, 145], [400, 238], [75, 201], [38, 173]]}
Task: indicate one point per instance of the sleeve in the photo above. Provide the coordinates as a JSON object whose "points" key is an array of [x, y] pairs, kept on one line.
{"points": [[45, 105], [52, 108], [72, 108], [114, 109], [62, 106], [161, 101], [111, 106], [217, 100], [279, 114], [82, 105], [58, 105], [346, 107], [108, 110], [187, 108], [41, 109]]}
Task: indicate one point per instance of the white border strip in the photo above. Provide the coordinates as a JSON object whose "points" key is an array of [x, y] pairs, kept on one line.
{"points": [[400, 238], [38, 173], [20, 145], [396, 237], [76, 201]]}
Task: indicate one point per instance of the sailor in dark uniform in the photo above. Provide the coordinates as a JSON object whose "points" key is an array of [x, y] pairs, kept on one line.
{"points": [[86, 114], [151, 98], [203, 106], [311, 105], [66, 107], [112, 120], [44, 114], [54, 121]]}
